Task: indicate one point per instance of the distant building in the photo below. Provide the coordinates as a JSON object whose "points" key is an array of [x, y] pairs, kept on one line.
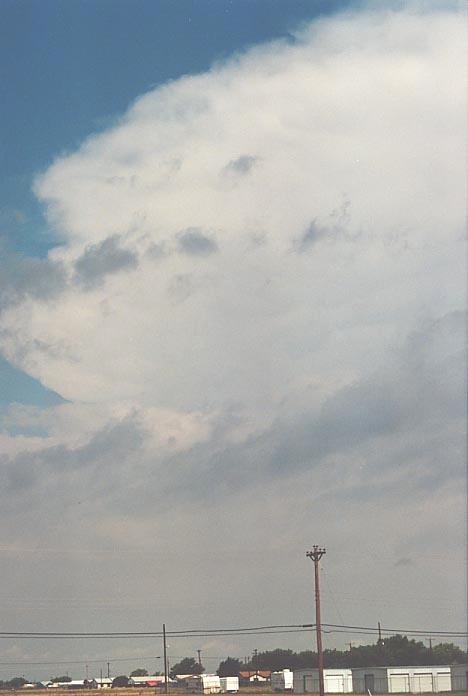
{"points": [[229, 685], [149, 681], [282, 680], [103, 682], [253, 677], [204, 683], [74, 684], [459, 676], [390, 680], [336, 681]]}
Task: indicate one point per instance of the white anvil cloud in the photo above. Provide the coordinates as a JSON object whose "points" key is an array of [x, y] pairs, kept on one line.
{"points": [[327, 176]]}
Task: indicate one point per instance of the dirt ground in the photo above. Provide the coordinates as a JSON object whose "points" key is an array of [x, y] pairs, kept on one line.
{"points": [[173, 691]]}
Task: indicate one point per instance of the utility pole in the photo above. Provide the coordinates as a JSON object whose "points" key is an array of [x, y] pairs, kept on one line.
{"points": [[87, 675], [199, 657], [165, 659], [380, 641], [108, 670], [315, 555], [255, 661]]}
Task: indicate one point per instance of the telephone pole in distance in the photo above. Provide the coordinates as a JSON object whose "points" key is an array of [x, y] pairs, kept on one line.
{"points": [[315, 555], [165, 659]]}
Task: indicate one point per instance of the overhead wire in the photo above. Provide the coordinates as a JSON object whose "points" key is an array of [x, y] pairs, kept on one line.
{"points": [[213, 632]]}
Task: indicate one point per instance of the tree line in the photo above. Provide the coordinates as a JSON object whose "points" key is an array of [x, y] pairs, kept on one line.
{"points": [[396, 650]]}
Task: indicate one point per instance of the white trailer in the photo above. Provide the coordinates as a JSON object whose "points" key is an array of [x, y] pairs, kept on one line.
{"points": [[282, 680], [204, 684], [229, 685]]}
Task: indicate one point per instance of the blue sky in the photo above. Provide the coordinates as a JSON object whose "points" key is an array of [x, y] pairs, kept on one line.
{"points": [[69, 69]]}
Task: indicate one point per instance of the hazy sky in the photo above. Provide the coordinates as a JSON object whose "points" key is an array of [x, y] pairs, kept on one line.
{"points": [[232, 321]]}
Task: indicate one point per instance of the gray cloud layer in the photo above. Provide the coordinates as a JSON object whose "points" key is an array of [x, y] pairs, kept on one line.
{"points": [[410, 410]]}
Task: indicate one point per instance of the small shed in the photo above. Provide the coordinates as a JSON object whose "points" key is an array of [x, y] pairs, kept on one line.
{"points": [[411, 679], [335, 681], [103, 682]]}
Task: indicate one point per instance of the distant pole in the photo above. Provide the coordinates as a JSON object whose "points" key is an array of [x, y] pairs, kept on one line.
{"points": [[87, 673], [380, 633], [199, 657], [101, 676], [315, 555], [108, 670], [165, 659]]}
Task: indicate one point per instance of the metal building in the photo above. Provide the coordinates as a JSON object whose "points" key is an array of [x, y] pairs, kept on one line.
{"points": [[336, 681], [414, 680], [459, 674]]}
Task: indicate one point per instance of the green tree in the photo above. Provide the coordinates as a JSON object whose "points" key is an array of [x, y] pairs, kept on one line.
{"points": [[17, 682], [230, 667], [120, 681], [188, 665], [139, 673], [65, 678], [447, 654]]}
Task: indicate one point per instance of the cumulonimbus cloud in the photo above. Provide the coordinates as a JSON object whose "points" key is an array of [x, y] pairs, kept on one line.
{"points": [[355, 125]]}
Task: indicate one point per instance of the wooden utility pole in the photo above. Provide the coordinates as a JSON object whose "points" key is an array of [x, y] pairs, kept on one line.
{"points": [[199, 657], [165, 659], [315, 555]]}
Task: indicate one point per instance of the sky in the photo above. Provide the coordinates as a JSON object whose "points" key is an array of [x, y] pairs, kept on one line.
{"points": [[232, 323]]}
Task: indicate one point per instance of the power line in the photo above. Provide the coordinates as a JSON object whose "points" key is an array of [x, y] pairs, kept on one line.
{"points": [[213, 632]]}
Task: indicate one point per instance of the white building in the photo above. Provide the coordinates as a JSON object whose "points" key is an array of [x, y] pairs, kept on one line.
{"points": [[388, 680], [336, 681], [74, 684], [459, 675], [103, 682]]}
